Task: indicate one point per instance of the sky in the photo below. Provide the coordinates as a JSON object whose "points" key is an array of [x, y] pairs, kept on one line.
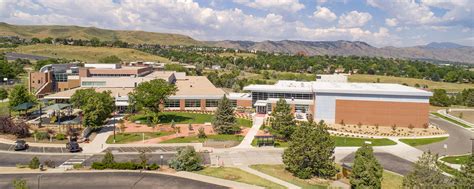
{"points": [[378, 22]]}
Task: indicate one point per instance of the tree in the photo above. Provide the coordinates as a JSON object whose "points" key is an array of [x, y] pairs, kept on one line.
{"points": [[310, 152], [201, 133], [152, 94], [283, 123], [224, 121], [440, 98], [20, 184], [110, 59], [186, 160], [465, 178], [34, 163], [425, 173], [143, 159], [108, 159], [19, 95], [3, 94], [366, 171], [8, 126], [96, 106]]}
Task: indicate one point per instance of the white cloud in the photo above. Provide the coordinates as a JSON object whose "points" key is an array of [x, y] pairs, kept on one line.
{"points": [[273, 5], [324, 14], [392, 22], [354, 19], [409, 12]]}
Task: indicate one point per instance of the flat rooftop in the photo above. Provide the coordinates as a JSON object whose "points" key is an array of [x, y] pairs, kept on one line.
{"points": [[338, 87], [68, 93], [197, 86]]}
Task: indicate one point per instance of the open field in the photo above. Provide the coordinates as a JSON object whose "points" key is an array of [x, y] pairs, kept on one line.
{"points": [[450, 87], [235, 174], [124, 138], [89, 54], [465, 115], [184, 118], [278, 171], [456, 159], [195, 139], [422, 141]]}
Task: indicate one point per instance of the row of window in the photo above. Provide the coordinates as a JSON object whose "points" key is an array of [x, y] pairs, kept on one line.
{"points": [[195, 103], [264, 96], [93, 83], [111, 75]]}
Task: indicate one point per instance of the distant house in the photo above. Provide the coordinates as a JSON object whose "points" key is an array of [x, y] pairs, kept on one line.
{"points": [[216, 67]]}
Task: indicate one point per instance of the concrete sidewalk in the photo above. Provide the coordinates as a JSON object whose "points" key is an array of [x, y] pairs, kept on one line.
{"points": [[247, 141], [99, 143], [214, 180]]}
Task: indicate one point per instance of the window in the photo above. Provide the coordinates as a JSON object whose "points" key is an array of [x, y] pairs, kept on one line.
{"points": [[93, 83], [172, 103], [301, 108], [212, 103], [192, 103]]}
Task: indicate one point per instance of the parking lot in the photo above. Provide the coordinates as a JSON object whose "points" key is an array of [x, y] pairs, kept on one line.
{"points": [[145, 149], [11, 147]]}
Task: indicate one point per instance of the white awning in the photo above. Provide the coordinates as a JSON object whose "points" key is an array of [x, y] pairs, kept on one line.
{"points": [[261, 103]]}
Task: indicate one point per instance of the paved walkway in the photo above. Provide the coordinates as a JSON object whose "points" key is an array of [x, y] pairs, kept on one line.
{"points": [[268, 177], [247, 141], [99, 143], [214, 180]]}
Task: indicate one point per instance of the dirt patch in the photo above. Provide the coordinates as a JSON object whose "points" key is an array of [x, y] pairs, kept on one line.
{"points": [[386, 131], [465, 115]]}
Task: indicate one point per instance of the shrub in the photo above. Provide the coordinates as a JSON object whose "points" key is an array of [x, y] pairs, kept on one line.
{"points": [[21, 166], [60, 136], [41, 135], [186, 160], [98, 166], [153, 166], [50, 163], [34, 163], [108, 159], [8, 126], [201, 133], [78, 166], [20, 184]]}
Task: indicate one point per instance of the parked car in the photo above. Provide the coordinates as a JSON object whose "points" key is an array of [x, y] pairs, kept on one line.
{"points": [[21, 145], [73, 146]]}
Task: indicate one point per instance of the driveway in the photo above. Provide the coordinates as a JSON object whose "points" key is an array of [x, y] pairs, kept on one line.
{"points": [[458, 142], [388, 161], [104, 180]]}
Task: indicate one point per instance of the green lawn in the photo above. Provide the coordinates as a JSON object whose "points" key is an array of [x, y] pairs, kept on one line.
{"points": [[456, 159], [391, 180], [278, 171], [447, 169], [451, 120], [123, 138], [346, 142], [235, 174], [422, 141], [195, 139], [184, 117], [4, 108]]}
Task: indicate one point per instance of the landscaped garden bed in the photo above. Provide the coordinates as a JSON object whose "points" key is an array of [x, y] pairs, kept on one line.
{"points": [[345, 142], [124, 138], [184, 118]]}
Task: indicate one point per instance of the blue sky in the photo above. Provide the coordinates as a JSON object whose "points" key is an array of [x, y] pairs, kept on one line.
{"points": [[377, 22]]}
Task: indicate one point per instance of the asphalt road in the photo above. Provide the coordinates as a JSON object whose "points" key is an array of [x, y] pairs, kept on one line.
{"points": [[110, 180], [458, 141], [388, 161]]}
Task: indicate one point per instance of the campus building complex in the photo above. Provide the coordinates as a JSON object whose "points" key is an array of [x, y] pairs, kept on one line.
{"points": [[349, 103], [194, 92]]}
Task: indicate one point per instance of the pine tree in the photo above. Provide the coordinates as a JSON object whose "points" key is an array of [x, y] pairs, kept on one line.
{"points": [[425, 173], [283, 123], [224, 119], [366, 171], [310, 152], [465, 178]]}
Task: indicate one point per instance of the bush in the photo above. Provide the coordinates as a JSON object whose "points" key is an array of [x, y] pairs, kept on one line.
{"points": [[108, 159], [98, 166], [41, 135], [50, 163], [8, 126], [60, 136], [201, 133], [122, 166], [186, 160], [78, 166], [34, 163], [153, 166]]}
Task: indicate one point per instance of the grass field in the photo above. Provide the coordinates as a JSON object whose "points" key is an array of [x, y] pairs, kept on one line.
{"points": [[278, 171], [450, 87], [89, 54], [456, 159], [450, 120], [447, 169], [184, 117], [4, 108], [391, 180], [235, 174], [124, 138], [195, 139], [422, 141], [346, 142]]}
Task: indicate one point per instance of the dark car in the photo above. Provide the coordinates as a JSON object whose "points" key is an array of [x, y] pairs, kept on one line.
{"points": [[21, 145], [73, 146]]}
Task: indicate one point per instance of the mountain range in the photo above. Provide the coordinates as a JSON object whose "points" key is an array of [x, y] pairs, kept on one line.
{"points": [[435, 52]]}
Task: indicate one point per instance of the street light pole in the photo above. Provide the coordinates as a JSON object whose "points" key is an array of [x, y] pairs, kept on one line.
{"points": [[114, 124]]}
